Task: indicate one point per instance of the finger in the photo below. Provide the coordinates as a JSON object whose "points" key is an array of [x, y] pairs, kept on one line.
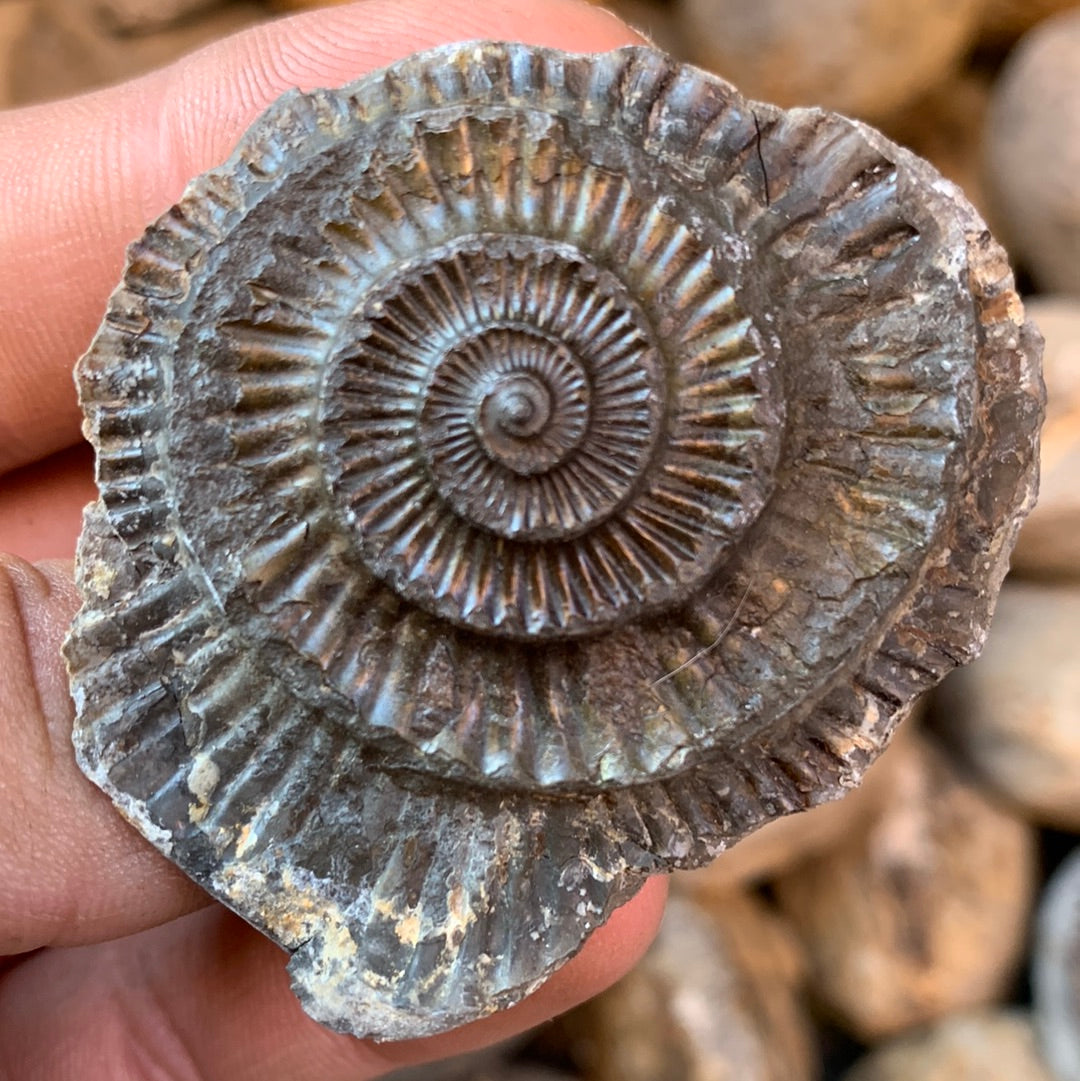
{"points": [[79, 179], [206, 998], [41, 504], [71, 870]]}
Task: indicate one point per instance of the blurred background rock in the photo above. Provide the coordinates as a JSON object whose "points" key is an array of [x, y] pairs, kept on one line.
{"points": [[886, 937]]}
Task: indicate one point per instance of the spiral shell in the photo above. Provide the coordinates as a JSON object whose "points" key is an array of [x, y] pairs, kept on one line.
{"points": [[522, 472]]}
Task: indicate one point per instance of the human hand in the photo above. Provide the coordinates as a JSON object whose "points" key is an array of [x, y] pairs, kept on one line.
{"points": [[117, 966]]}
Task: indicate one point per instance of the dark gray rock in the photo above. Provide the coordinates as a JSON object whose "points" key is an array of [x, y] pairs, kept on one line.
{"points": [[522, 473]]}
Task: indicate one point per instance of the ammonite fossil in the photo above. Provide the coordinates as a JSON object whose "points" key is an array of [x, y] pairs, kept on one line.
{"points": [[1055, 975], [522, 473]]}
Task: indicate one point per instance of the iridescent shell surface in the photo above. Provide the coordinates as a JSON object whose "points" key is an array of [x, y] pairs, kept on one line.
{"points": [[522, 473]]}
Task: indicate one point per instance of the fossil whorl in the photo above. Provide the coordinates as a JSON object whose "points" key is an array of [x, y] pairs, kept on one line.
{"points": [[521, 472]]}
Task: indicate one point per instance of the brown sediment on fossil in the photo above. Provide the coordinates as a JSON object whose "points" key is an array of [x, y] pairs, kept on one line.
{"points": [[521, 473]]}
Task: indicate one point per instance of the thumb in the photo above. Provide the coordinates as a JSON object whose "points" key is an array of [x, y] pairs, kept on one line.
{"points": [[78, 180]]}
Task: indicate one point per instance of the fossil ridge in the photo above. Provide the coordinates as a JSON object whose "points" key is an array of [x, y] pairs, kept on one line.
{"points": [[522, 473]]}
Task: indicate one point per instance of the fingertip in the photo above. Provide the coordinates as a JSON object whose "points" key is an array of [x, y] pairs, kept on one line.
{"points": [[71, 870], [616, 947], [37, 602], [41, 504], [606, 957], [79, 179], [215, 94], [221, 990]]}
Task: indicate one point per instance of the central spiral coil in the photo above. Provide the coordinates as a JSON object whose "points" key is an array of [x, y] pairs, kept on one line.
{"points": [[497, 414], [523, 397], [510, 424]]}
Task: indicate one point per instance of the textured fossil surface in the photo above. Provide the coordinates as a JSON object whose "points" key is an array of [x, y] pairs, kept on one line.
{"points": [[521, 473]]}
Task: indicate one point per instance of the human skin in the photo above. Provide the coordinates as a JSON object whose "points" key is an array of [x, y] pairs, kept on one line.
{"points": [[116, 966]]}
